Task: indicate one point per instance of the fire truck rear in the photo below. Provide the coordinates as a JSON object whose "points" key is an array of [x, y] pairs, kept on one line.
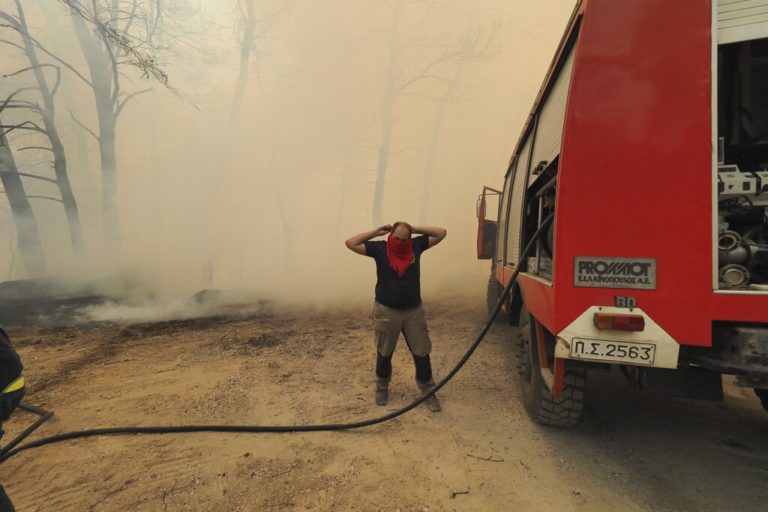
{"points": [[646, 155]]}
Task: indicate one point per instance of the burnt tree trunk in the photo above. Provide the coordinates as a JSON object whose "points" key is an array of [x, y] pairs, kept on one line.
{"points": [[434, 144], [24, 218], [59, 155], [103, 74], [437, 126], [107, 153], [245, 58]]}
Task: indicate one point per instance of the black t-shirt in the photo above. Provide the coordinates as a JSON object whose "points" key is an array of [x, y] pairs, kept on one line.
{"points": [[10, 362], [392, 290]]}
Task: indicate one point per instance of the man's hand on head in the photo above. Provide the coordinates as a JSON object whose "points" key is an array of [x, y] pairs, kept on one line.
{"points": [[357, 242], [435, 234]]}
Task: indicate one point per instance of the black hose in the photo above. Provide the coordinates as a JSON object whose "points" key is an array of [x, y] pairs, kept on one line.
{"points": [[180, 429]]}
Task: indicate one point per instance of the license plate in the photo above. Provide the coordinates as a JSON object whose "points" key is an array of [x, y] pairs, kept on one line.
{"points": [[613, 351]]}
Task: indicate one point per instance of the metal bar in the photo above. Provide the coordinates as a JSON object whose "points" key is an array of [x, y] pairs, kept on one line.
{"points": [[726, 367], [551, 183], [34, 409], [538, 242], [44, 416], [540, 345], [559, 377]]}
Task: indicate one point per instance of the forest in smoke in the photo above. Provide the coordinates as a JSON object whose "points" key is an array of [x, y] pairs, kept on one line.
{"points": [[195, 144]]}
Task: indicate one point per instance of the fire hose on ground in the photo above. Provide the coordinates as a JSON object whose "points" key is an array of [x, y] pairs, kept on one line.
{"points": [[14, 448]]}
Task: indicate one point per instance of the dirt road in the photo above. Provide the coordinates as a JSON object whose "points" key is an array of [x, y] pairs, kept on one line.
{"points": [[632, 451]]}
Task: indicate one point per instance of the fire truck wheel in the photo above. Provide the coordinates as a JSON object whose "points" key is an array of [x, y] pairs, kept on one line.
{"points": [[494, 290], [762, 394], [538, 401]]}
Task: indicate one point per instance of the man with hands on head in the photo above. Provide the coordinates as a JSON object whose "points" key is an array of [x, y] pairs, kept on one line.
{"points": [[398, 300]]}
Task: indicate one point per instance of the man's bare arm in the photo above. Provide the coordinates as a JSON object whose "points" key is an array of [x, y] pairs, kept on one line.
{"points": [[357, 242], [435, 235]]}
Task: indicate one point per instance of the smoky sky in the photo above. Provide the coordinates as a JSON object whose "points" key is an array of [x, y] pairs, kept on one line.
{"points": [[262, 195]]}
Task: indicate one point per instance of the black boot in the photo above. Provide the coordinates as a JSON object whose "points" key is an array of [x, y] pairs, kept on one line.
{"points": [[424, 381], [432, 403], [383, 376], [382, 391]]}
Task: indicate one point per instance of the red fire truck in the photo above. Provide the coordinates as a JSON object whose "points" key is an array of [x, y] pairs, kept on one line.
{"points": [[648, 144]]}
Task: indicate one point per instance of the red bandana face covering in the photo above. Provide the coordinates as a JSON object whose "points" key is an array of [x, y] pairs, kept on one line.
{"points": [[400, 254]]}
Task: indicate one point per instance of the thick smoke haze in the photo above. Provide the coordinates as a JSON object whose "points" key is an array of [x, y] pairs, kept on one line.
{"points": [[260, 196]]}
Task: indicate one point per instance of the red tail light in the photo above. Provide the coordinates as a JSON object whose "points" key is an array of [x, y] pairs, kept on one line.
{"points": [[616, 322]]}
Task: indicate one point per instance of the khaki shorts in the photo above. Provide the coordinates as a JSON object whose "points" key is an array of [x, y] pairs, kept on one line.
{"points": [[388, 323]]}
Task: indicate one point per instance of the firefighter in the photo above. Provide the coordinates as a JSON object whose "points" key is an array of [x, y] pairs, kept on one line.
{"points": [[398, 300], [12, 386]]}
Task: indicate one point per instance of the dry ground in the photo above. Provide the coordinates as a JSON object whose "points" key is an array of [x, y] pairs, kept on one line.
{"points": [[632, 451]]}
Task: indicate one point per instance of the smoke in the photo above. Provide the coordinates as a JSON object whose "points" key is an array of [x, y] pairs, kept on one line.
{"points": [[262, 202]]}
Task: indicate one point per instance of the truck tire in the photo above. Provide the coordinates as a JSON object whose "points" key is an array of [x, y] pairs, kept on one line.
{"points": [[538, 401], [492, 297]]}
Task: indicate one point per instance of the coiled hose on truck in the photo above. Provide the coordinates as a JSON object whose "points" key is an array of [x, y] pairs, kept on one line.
{"points": [[329, 427]]}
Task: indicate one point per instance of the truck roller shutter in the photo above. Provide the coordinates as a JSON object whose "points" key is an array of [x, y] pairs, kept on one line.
{"points": [[549, 132], [501, 231], [741, 20], [516, 203]]}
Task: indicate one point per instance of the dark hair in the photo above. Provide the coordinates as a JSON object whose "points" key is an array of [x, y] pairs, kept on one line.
{"points": [[400, 223]]}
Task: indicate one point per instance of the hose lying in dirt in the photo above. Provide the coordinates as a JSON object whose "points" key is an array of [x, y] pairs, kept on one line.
{"points": [[182, 429]]}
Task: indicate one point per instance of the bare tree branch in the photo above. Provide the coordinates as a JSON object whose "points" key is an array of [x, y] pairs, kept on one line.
{"points": [[27, 148], [27, 175], [156, 22], [75, 119], [419, 78], [26, 125], [47, 198], [131, 18], [10, 17], [18, 28], [426, 70], [112, 36], [471, 46], [8, 100], [28, 105], [28, 68], [6, 41], [54, 66], [121, 104], [115, 72], [61, 61]]}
